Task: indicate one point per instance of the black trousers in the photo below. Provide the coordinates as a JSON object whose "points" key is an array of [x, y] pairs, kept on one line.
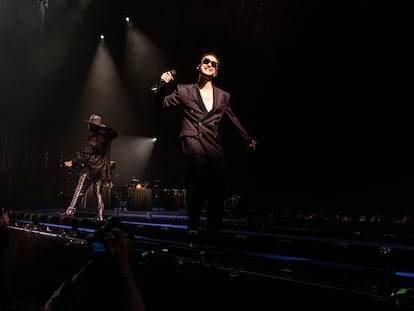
{"points": [[79, 196], [205, 183]]}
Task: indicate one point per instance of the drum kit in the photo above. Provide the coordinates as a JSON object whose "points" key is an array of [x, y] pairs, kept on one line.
{"points": [[138, 184], [165, 198]]}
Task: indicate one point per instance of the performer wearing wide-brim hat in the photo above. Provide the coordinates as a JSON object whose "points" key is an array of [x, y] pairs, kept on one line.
{"points": [[95, 164], [95, 120]]}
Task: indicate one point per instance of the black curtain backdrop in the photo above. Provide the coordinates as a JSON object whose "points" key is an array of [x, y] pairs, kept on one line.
{"points": [[320, 85]]}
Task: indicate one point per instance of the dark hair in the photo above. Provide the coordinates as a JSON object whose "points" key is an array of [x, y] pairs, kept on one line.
{"points": [[211, 54]]}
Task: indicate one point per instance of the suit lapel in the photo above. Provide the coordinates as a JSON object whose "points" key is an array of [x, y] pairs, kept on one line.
{"points": [[195, 93]]}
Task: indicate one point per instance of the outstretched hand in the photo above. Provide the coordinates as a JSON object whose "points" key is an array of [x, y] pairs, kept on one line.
{"points": [[252, 144], [118, 248]]}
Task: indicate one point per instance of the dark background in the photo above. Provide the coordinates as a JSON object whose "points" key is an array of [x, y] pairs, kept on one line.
{"points": [[323, 87]]}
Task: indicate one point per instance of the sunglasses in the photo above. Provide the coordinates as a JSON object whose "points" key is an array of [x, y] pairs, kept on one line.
{"points": [[207, 61]]}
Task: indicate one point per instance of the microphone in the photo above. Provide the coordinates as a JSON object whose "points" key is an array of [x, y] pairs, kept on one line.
{"points": [[157, 87]]}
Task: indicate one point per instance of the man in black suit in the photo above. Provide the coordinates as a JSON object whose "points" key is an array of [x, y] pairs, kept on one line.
{"points": [[202, 105]]}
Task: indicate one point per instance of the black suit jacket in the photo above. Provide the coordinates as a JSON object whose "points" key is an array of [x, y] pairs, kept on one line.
{"points": [[199, 130], [95, 158]]}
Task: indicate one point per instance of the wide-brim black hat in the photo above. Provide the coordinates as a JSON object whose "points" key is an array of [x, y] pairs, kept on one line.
{"points": [[95, 120]]}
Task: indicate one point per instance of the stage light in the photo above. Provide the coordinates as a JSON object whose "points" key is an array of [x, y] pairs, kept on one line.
{"points": [[102, 37], [127, 19], [154, 139]]}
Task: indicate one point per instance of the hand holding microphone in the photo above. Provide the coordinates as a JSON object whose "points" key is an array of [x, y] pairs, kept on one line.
{"points": [[166, 77]]}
